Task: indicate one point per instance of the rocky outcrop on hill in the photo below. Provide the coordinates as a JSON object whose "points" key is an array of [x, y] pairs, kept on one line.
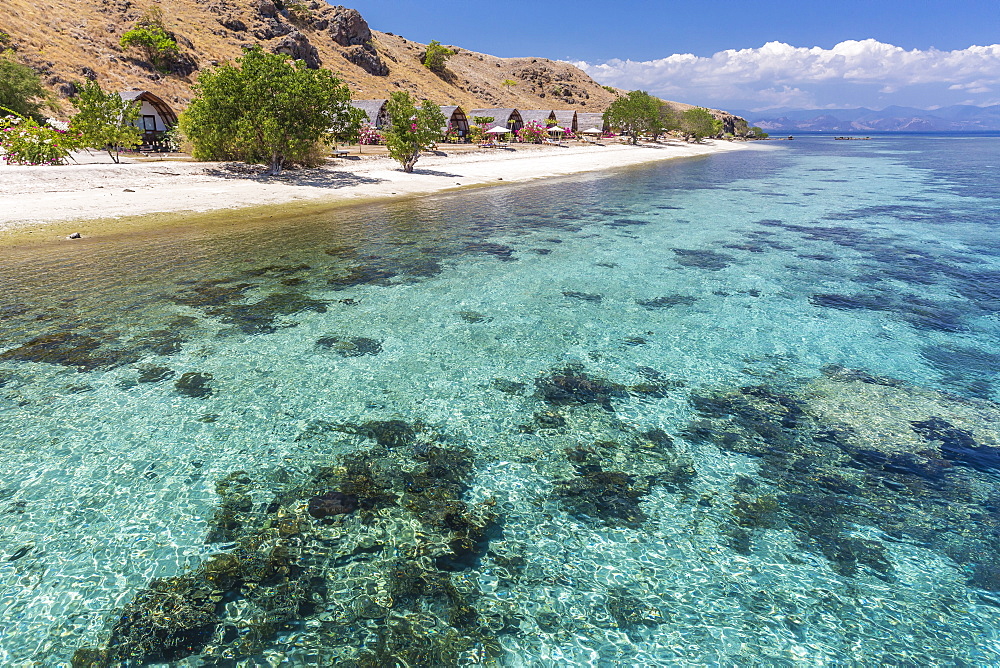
{"points": [[69, 40]]}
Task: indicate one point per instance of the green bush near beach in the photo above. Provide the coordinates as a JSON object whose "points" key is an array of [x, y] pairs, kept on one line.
{"points": [[412, 130], [266, 109], [106, 121]]}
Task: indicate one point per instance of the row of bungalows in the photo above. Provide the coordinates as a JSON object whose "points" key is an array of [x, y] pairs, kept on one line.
{"points": [[512, 119]]}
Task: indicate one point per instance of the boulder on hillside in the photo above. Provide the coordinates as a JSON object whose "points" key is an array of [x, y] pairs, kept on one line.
{"points": [[347, 27], [365, 57], [297, 46]]}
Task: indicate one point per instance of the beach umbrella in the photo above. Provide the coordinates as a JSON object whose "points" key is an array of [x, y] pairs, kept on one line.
{"points": [[498, 130], [592, 131], [556, 128]]}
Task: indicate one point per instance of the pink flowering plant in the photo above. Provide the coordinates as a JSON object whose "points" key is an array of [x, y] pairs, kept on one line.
{"points": [[533, 133], [25, 142], [369, 135]]}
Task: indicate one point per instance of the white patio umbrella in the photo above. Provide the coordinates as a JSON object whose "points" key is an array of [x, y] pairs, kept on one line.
{"points": [[592, 131], [556, 128], [498, 130]]}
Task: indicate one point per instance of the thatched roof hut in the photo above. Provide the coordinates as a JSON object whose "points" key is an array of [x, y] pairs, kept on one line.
{"points": [[378, 117], [540, 116], [456, 119], [155, 115], [567, 118], [586, 120], [508, 118]]}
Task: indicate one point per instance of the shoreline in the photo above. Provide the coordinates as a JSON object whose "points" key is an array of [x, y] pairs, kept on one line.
{"points": [[97, 198]]}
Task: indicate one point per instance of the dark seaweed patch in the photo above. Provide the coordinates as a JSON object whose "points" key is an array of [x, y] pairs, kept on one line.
{"points": [[207, 294], [350, 347], [509, 386], [473, 317], [957, 445], [627, 222], [703, 259], [80, 351], [259, 317], [583, 296], [195, 385], [821, 482], [851, 302], [499, 250], [363, 274], [572, 386], [155, 374], [667, 302], [606, 496]]}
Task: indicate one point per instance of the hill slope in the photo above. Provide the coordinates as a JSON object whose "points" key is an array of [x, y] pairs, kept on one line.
{"points": [[68, 40]]}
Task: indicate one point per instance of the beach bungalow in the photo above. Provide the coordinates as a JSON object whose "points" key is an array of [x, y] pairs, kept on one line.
{"points": [[375, 110], [586, 120], [155, 116], [508, 118], [540, 116], [457, 120], [567, 118]]}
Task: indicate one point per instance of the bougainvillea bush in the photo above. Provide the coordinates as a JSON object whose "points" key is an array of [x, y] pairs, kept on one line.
{"points": [[369, 136], [533, 133], [25, 142]]}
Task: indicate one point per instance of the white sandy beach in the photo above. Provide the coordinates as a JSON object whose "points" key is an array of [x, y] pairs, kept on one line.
{"points": [[49, 203]]}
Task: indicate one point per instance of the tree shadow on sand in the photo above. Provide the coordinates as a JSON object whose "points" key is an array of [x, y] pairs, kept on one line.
{"points": [[432, 172], [317, 178]]}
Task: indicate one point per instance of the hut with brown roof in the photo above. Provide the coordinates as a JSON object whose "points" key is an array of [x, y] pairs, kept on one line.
{"points": [[586, 120], [457, 120], [505, 118], [540, 116], [155, 116], [566, 119], [375, 110]]}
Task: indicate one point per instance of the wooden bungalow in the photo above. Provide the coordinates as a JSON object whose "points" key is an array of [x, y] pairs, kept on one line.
{"points": [[375, 110], [567, 119], [586, 120], [457, 120], [540, 116], [155, 116], [508, 118]]}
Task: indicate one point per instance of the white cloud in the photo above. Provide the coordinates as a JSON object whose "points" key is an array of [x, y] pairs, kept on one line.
{"points": [[865, 72]]}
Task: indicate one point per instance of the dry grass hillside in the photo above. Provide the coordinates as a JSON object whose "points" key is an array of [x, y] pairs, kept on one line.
{"points": [[69, 40]]}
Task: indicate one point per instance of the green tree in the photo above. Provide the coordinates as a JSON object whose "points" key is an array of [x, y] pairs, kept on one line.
{"points": [[699, 123], [265, 109], [670, 119], [151, 37], [106, 121], [508, 84], [634, 114], [436, 56], [21, 90], [411, 130], [757, 133]]}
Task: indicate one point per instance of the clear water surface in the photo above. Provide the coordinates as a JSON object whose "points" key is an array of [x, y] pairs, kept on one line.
{"points": [[726, 411]]}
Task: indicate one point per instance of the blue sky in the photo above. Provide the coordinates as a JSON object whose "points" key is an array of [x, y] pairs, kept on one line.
{"points": [[630, 44]]}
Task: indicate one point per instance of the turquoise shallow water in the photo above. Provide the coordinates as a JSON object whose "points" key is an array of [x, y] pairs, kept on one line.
{"points": [[730, 411]]}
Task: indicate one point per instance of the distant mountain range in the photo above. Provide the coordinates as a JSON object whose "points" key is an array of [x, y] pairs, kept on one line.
{"points": [[956, 118]]}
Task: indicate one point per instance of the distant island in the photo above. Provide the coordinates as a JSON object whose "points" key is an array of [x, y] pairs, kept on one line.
{"points": [[954, 118]]}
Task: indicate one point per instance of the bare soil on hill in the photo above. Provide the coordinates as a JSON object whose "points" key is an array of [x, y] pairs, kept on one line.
{"points": [[67, 41]]}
